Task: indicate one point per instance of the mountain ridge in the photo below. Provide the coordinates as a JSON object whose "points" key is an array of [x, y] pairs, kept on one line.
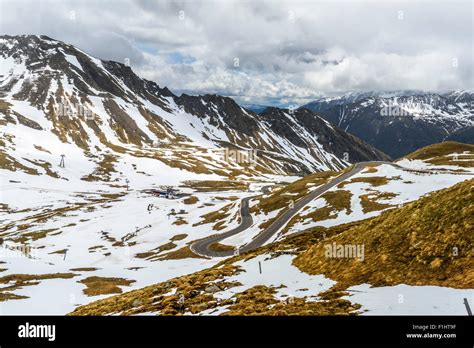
{"points": [[400, 122], [41, 76]]}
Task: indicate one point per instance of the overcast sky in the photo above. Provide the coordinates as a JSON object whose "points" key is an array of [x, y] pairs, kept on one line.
{"points": [[267, 52]]}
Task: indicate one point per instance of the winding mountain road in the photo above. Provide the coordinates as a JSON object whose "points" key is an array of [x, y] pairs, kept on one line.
{"points": [[201, 247]]}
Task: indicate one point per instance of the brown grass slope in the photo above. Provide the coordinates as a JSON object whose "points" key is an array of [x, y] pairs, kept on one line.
{"points": [[441, 154], [280, 198], [428, 242], [440, 149], [157, 298]]}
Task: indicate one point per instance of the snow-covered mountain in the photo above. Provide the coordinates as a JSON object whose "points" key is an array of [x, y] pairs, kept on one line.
{"points": [[125, 140], [56, 99], [324, 103], [399, 122]]}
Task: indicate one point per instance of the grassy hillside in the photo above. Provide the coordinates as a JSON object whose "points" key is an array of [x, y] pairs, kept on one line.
{"points": [[280, 198], [427, 242], [164, 298], [442, 154]]}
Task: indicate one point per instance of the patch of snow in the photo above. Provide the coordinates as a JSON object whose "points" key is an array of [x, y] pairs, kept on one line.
{"points": [[405, 299], [276, 272]]}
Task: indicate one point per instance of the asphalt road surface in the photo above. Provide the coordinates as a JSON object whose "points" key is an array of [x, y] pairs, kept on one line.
{"points": [[201, 247]]}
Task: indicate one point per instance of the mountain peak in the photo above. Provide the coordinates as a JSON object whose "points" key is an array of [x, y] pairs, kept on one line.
{"points": [[47, 86], [400, 122]]}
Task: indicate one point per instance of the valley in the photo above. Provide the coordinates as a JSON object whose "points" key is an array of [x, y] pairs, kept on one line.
{"points": [[74, 238], [118, 196]]}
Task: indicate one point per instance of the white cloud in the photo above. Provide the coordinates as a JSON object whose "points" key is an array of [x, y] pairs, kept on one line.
{"points": [[288, 50]]}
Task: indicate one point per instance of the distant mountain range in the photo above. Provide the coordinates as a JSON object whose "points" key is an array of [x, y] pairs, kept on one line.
{"points": [[400, 122]]}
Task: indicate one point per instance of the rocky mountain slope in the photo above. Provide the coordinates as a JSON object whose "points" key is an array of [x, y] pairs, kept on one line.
{"points": [[465, 135], [56, 99], [399, 122]]}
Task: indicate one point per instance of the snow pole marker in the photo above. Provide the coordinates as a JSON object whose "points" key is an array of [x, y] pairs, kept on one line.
{"points": [[61, 163], [468, 308]]}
